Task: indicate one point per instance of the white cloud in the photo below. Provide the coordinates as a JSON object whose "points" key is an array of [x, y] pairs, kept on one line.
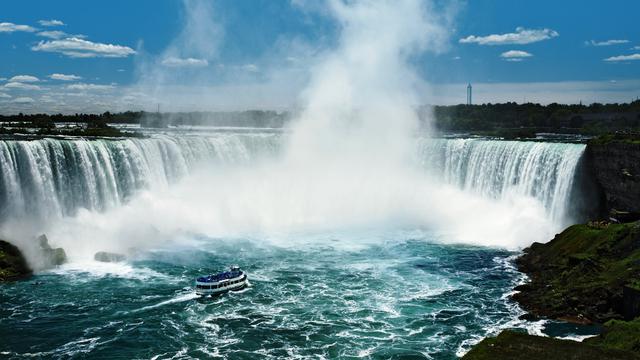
{"points": [[54, 34], [21, 86], [5, 96], [515, 55], [520, 37], [606, 42], [187, 62], [636, 47], [23, 100], [64, 77], [623, 58], [51, 22], [24, 78], [88, 87], [11, 27], [79, 48]]}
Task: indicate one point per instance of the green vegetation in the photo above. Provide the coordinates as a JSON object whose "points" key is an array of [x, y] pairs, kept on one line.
{"points": [[626, 138], [621, 335], [581, 274], [13, 265], [511, 345], [512, 118], [90, 125]]}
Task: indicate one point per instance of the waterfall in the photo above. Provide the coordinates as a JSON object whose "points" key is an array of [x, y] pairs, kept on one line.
{"points": [[496, 169], [54, 177]]}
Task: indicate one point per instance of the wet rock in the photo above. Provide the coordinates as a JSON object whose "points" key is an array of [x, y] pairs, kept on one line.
{"points": [[13, 265], [51, 256], [104, 256]]}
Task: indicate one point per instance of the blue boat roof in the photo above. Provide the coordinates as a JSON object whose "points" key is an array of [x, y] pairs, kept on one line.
{"points": [[219, 277]]}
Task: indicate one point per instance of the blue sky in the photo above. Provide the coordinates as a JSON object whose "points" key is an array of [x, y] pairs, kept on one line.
{"points": [[510, 50]]}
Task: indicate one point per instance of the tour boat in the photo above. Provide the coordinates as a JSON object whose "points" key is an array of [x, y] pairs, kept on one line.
{"points": [[234, 279]]}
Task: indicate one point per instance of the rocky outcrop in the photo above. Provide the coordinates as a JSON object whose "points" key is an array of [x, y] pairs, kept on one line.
{"points": [[51, 257], [13, 265], [616, 166], [581, 275], [511, 345]]}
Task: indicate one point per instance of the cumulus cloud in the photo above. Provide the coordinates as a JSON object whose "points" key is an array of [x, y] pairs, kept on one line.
{"points": [[24, 78], [515, 55], [623, 58], [88, 87], [7, 27], [23, 100], [76, 47], [51, 22], [64, 77], [186, 62], [636, 47], [54, 34], [606, 42], [21, 86], [5, 96], [520, 37]]}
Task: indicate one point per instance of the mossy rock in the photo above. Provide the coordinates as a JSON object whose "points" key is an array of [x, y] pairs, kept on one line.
{"points": [[582, 273], [13, 265], [512, 345], [621, 335]]}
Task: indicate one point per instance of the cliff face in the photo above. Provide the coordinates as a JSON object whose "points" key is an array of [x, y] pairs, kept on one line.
{"points": [[616, 166]]}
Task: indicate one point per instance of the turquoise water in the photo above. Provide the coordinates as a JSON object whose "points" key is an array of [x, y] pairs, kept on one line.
{"points": [[396, 295]]}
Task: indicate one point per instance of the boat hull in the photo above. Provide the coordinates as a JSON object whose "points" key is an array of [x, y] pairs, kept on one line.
{"points": [[205, 289]]}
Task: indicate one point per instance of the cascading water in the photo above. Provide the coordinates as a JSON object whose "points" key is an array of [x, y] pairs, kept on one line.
{"points": [[52, 178], [496, 169]]}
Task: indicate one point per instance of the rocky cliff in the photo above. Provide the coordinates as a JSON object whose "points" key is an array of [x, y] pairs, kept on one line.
{"points": [[616, 167]]}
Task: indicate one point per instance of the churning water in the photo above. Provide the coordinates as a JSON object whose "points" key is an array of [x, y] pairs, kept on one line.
{"points": [[372, 268]]}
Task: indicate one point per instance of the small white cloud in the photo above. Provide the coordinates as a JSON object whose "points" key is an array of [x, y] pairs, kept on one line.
{"points": [[623, 58], [21, 86], [184, 62], [88, 87], [54, 34], [23, 100], [79, 48], [636, 47], [250, 67], [64, 77], [121, 70], [8, 27], [51, 22], [24, 78], [606, 42], [520, 37], [515, 55], [5, 96], [457, 58]]}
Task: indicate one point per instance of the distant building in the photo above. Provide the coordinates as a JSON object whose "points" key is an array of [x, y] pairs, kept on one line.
{"points": [[469, 99]]}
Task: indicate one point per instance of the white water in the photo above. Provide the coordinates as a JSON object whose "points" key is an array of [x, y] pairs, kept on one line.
{"points": [[122, 194]]}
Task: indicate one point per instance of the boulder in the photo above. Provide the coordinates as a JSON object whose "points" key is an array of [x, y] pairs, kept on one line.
{"points": [[104, 256], [13, 265], [51, 256]]}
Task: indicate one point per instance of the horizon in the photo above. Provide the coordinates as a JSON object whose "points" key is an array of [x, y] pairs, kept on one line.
{"points": [[233, 56]]}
